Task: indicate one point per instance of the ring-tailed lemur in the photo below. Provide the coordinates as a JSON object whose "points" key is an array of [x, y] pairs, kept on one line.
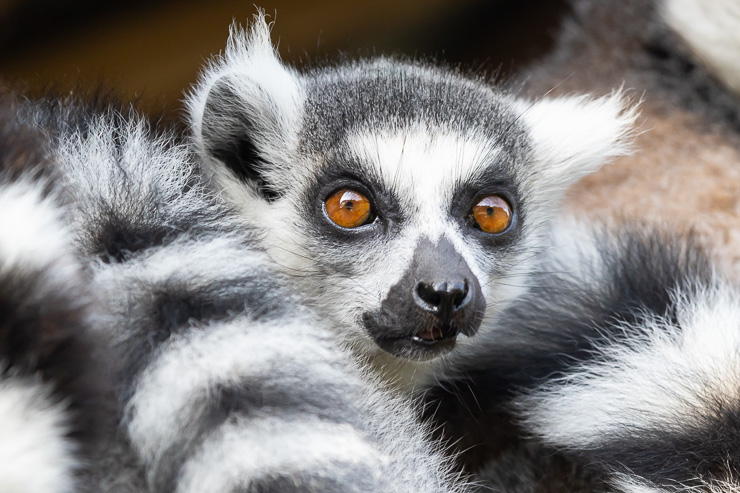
{"points": [[407, 201], [357, 189], [410, 205]]}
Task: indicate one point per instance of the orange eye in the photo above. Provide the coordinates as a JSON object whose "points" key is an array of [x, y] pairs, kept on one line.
{"points": [[492, 214], [348, 208]]}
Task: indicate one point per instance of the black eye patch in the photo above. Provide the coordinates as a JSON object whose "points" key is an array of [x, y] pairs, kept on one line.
{"points": [[345, 172], [496, 180]]}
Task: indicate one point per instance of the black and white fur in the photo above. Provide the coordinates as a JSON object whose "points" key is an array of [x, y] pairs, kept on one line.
{"points": [[710, 31], [239, 318], [423, 143], [224, 379], [619, 364], [53, 390]]}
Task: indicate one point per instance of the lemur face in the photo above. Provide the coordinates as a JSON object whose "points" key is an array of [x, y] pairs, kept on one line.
{"points": [[405, 200], [408, 251]]}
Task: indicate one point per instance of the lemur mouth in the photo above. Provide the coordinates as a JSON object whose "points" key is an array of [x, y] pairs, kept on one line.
{"points": [[434, 335], [423, 345]]}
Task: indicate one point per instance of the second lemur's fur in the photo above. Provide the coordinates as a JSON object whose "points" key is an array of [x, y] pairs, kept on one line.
{"points": [[680, 57]]}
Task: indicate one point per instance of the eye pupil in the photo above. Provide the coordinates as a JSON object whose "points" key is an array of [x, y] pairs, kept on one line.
{"points": [[348, 205], [489, 211]]}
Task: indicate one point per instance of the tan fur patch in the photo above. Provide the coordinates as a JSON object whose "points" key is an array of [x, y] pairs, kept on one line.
{"points": [[682, 174]]}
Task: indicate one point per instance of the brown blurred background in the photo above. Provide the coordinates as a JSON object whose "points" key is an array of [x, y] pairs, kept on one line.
{"points": [[152, 50]]}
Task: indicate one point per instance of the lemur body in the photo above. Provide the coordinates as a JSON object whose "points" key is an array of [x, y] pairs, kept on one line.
{"points": [[388, 134], [684, 176], [223, 379], [331, 234]]}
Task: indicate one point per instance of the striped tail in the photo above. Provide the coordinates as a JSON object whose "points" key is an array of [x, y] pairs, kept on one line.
{"points": [[226, 381], [652, 396], [618, 371], [51, 391], [257, 395]]}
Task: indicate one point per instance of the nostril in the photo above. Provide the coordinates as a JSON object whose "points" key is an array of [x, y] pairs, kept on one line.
{"points": [[460, 294], [443, 295], [429, 294]]}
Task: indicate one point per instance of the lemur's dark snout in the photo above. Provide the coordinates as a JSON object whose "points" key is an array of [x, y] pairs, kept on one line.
{"points": [[437, 298], [443, 297]]}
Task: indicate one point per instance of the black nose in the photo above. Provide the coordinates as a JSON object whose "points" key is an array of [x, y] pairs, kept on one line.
{"points": [[443, 298]]}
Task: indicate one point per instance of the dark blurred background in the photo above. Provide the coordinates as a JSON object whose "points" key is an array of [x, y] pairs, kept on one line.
{"points": [[152, 50]]}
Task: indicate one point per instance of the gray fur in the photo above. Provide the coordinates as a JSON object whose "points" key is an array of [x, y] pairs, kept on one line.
{"points": [[394, 129], [219, 363], [238, 313], [422, 143]]}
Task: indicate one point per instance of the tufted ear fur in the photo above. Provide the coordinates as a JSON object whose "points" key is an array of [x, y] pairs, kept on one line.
{"points": [[245, 110], [574, 136]]}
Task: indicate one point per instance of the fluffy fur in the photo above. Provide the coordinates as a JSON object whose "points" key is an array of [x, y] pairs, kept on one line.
{"points": [[52, 389], [412, 138], [422, 123], [621, 359], [218, 362], [710, 29], [251, 335], [688, 139]]}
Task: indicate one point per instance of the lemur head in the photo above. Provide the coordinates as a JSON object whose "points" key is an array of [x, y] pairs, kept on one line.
{"points": [[406, 200]]}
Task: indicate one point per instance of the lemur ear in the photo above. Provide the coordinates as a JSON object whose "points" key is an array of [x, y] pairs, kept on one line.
{"points": [[245, 109], [574, 136]]}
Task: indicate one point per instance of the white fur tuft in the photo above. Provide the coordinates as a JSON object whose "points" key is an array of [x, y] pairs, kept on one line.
{"points": [[669, 376], [32, 232], [33, 237], [574, 136], [35, 456], [632, 484]]}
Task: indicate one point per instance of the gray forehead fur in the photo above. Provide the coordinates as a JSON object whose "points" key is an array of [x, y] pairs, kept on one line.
{"points": [[292, 115], [387, 94]]}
